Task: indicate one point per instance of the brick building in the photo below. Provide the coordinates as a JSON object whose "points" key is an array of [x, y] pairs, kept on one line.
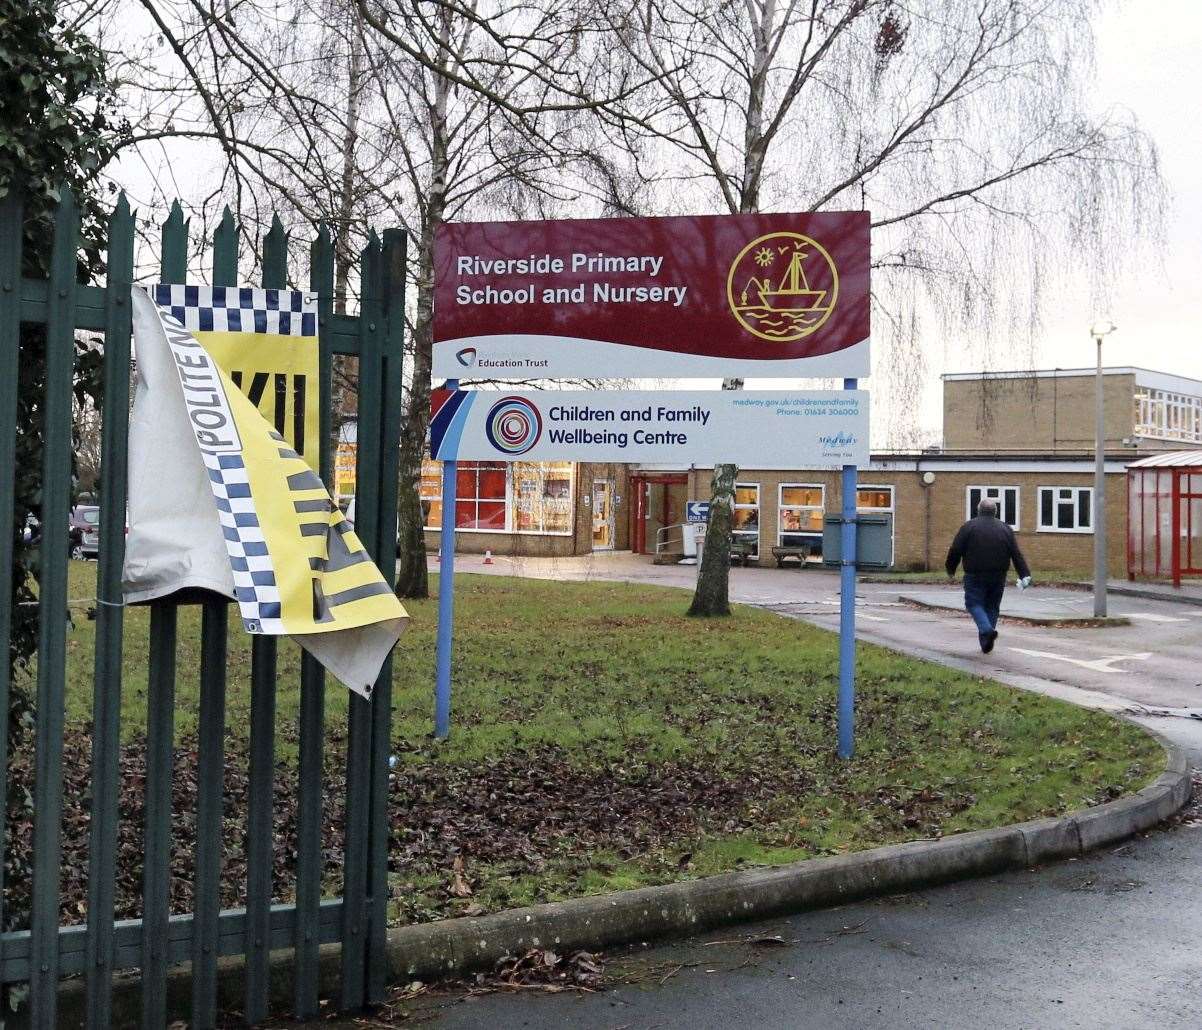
{"points": [[1022, 438]]}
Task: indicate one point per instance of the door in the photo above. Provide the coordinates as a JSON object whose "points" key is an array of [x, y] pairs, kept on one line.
{"points": [[603, 515]]}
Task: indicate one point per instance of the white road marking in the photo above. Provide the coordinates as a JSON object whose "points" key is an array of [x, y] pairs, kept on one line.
{"points": [[1093, 664], [1151, 617]]}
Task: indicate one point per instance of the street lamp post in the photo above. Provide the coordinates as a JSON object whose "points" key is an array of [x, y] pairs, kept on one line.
{"points": [[1101, 567]]}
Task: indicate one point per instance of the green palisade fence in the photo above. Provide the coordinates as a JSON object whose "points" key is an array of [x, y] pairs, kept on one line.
{"points": [[46, 952]]}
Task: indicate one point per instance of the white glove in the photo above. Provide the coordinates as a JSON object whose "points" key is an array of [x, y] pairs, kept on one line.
{"points": [[1024, 583]]}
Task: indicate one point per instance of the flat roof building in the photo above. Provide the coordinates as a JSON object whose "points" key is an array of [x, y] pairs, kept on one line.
{"points": [[1024, 439]]}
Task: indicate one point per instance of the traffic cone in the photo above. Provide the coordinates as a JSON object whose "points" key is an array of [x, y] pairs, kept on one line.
{"points": [[487, 556]]}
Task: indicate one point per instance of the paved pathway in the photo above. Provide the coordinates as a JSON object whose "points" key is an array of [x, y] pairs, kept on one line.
{"points": [[1107, 941]]}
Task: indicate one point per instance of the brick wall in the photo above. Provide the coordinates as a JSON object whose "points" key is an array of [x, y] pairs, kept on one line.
{"points": [[1052, 413], [926, 518]]}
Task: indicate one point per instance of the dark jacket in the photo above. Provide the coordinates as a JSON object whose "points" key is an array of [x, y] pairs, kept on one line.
{"points": [[987, 546]]}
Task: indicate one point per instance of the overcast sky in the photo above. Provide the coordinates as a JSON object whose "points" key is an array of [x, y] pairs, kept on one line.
{"points": [[1150, 61]]}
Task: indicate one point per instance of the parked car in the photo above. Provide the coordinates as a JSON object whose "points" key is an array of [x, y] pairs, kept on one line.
{"points": [[85, 531]]}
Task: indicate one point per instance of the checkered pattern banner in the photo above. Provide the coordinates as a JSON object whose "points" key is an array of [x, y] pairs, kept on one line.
{"points": [[254, 575], [239, 309]]}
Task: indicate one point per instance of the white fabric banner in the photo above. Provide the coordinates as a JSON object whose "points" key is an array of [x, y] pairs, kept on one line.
{"points": [[219, 502]]}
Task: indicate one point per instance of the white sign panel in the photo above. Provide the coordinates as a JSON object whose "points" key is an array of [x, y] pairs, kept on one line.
{"points": [[751, 428]]}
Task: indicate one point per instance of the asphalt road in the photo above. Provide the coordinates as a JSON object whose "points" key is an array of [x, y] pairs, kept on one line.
{"points": [[1110, 940]]}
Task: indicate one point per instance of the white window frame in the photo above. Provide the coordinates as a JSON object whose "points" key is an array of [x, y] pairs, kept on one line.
{"points": [[995, 492], [781, 506], [759, 513], [511, 509], [1057, 500], [511, 501], [891, 510], [1165, 415]]}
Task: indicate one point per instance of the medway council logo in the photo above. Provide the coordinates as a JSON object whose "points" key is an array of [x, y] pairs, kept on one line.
{"points": [[782, 287], [513, 425]]}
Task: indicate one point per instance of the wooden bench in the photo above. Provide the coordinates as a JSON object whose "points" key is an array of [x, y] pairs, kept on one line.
{"points": [[740, 551], [783, 554]]}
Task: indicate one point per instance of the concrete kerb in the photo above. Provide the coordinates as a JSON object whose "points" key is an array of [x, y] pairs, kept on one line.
{"points": [[1068, 621], [1149, 594], [453, 947]]}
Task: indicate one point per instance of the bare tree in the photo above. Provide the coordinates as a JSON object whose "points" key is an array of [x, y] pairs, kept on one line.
{"points": [[410, 111], [86, 429], [961, 126]]}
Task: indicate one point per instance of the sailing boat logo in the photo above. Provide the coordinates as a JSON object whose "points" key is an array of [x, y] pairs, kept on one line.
{"points": [[782, 287]]}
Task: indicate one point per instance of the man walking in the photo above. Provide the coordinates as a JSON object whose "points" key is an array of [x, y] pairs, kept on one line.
{"points": [[987, 546]]}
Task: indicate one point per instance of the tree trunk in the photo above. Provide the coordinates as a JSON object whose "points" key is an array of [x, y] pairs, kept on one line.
{"points": [[344, 257], [712, 596], [412, 577]]}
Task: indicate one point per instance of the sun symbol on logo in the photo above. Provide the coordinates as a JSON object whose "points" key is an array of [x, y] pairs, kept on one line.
{"points": [[763, 257]]}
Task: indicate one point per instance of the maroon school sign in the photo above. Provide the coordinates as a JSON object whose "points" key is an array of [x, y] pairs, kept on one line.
{"points": [[726, 295]]}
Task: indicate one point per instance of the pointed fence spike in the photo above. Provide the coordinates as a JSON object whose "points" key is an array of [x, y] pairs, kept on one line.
{"points": [[174, 264], [275, 255], [225, 250]]}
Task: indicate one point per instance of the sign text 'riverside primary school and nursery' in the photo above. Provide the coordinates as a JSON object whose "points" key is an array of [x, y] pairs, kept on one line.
{"points": [[731, 295], [767, 429]]}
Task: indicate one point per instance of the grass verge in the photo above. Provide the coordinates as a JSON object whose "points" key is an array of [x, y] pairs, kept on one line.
{"points": [[604, 741]]}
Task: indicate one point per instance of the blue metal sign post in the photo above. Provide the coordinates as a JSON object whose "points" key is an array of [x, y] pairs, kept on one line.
{"points": [[446, 598], [847, 610]]}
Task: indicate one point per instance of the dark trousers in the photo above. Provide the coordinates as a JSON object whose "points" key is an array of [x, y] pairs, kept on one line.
{"points": [[983, 598]]}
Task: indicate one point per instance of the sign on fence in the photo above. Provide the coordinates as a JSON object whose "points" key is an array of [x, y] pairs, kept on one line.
{"points": [[219, 501], [760, 428], [729, 295], [266, 342]]}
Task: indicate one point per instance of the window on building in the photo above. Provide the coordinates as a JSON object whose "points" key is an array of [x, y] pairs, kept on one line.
{"points": [[1164, 415], [800, 516], [747, 515], [1065, 509], [874, 498], [480, 495], [429, 491], [496, 497], [542, 497], [1007, 502]]}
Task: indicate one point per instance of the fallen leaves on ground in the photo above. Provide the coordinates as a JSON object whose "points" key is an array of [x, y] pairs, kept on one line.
{"points": [[544, 970]]}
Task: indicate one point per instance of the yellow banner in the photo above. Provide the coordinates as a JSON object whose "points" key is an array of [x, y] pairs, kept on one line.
{"points": [[297, 566], [266, 343]]}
